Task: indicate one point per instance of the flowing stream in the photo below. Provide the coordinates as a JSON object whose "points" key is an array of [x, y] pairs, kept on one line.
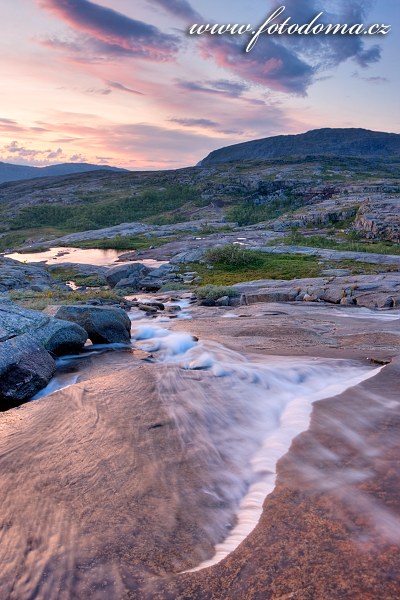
{"points": [[69, 462]]}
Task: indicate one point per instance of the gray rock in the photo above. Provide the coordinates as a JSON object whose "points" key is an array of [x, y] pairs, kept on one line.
{"points": [[116, 274], [17, 275], [151, 285], [132, 283], [163, 271], [104, 325], [15, 320], [25, 368], [61, 337], [223, 301], [189, 256]]}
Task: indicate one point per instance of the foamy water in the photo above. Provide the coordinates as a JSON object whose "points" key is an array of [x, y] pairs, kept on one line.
{"points": [[250, 409]]}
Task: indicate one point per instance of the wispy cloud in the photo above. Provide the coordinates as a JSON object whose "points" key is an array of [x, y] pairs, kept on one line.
{"points": [[376, 80], [112, 31], [123, 88], [179, 8], [196, 123]]}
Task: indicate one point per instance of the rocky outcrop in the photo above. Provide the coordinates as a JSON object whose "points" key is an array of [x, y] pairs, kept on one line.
{"points": [[104, 325], [189, 256], [25, 368], [16, 275], [380, 219], [370, 291], [334, 255], [131, 272]]}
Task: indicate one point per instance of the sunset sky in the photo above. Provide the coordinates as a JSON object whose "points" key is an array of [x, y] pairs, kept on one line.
{"points": [[120, 81]]}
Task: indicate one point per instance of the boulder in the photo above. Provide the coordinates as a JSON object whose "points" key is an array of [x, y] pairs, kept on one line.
{"points": [[15, 320], [25, 368], [163, 271], [104, 325], [57, 337], [61, 337], [272, 295], [149, 284], [116, 274], [131, 283]]}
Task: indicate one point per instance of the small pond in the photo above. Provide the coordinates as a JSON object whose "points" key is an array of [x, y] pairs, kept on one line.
{"points": [[101, 258]]}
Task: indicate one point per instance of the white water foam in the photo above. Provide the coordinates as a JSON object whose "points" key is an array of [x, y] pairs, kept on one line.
{"points": [[251, 410]]}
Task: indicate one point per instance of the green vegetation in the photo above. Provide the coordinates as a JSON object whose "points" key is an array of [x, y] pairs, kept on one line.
{"points": [[11, 240], [71, 274], [158, 207], [174, 287], [264, 266], [234, 256], [358, 268], [39, 300], [248, 213], [213, 292], [350, 242], [124, 242]]}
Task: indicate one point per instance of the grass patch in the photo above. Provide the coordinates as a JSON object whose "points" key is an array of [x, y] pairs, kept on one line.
{"points": [[14, 239], [39, 300], [233, 256], [266, 266], [357, 268], [347, 244]]}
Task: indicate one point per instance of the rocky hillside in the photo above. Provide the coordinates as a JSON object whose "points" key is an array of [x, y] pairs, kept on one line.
{"points": [[11, 172], [319, 142]]}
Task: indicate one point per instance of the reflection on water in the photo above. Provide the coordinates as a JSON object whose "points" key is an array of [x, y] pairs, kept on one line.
{"points": [[101, 258]]}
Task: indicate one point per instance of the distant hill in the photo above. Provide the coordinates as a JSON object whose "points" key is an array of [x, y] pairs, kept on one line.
{"points": [[10, 172], [319, 142]]}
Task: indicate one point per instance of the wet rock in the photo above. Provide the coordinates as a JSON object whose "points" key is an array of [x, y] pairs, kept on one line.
{"points": [[147, 308], [104, 325], [25, 368], [173, 309], [116, 274]]}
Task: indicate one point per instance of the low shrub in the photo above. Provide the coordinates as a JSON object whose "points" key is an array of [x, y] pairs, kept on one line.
{"points": [[213, 292]]}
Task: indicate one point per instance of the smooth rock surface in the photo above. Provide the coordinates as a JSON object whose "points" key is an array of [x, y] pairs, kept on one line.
{"points": [[104, 325], [25, 368]]}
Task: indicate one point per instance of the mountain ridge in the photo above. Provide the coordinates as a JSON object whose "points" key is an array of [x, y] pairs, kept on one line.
{"points": [[15, 172], [354, 142]]}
